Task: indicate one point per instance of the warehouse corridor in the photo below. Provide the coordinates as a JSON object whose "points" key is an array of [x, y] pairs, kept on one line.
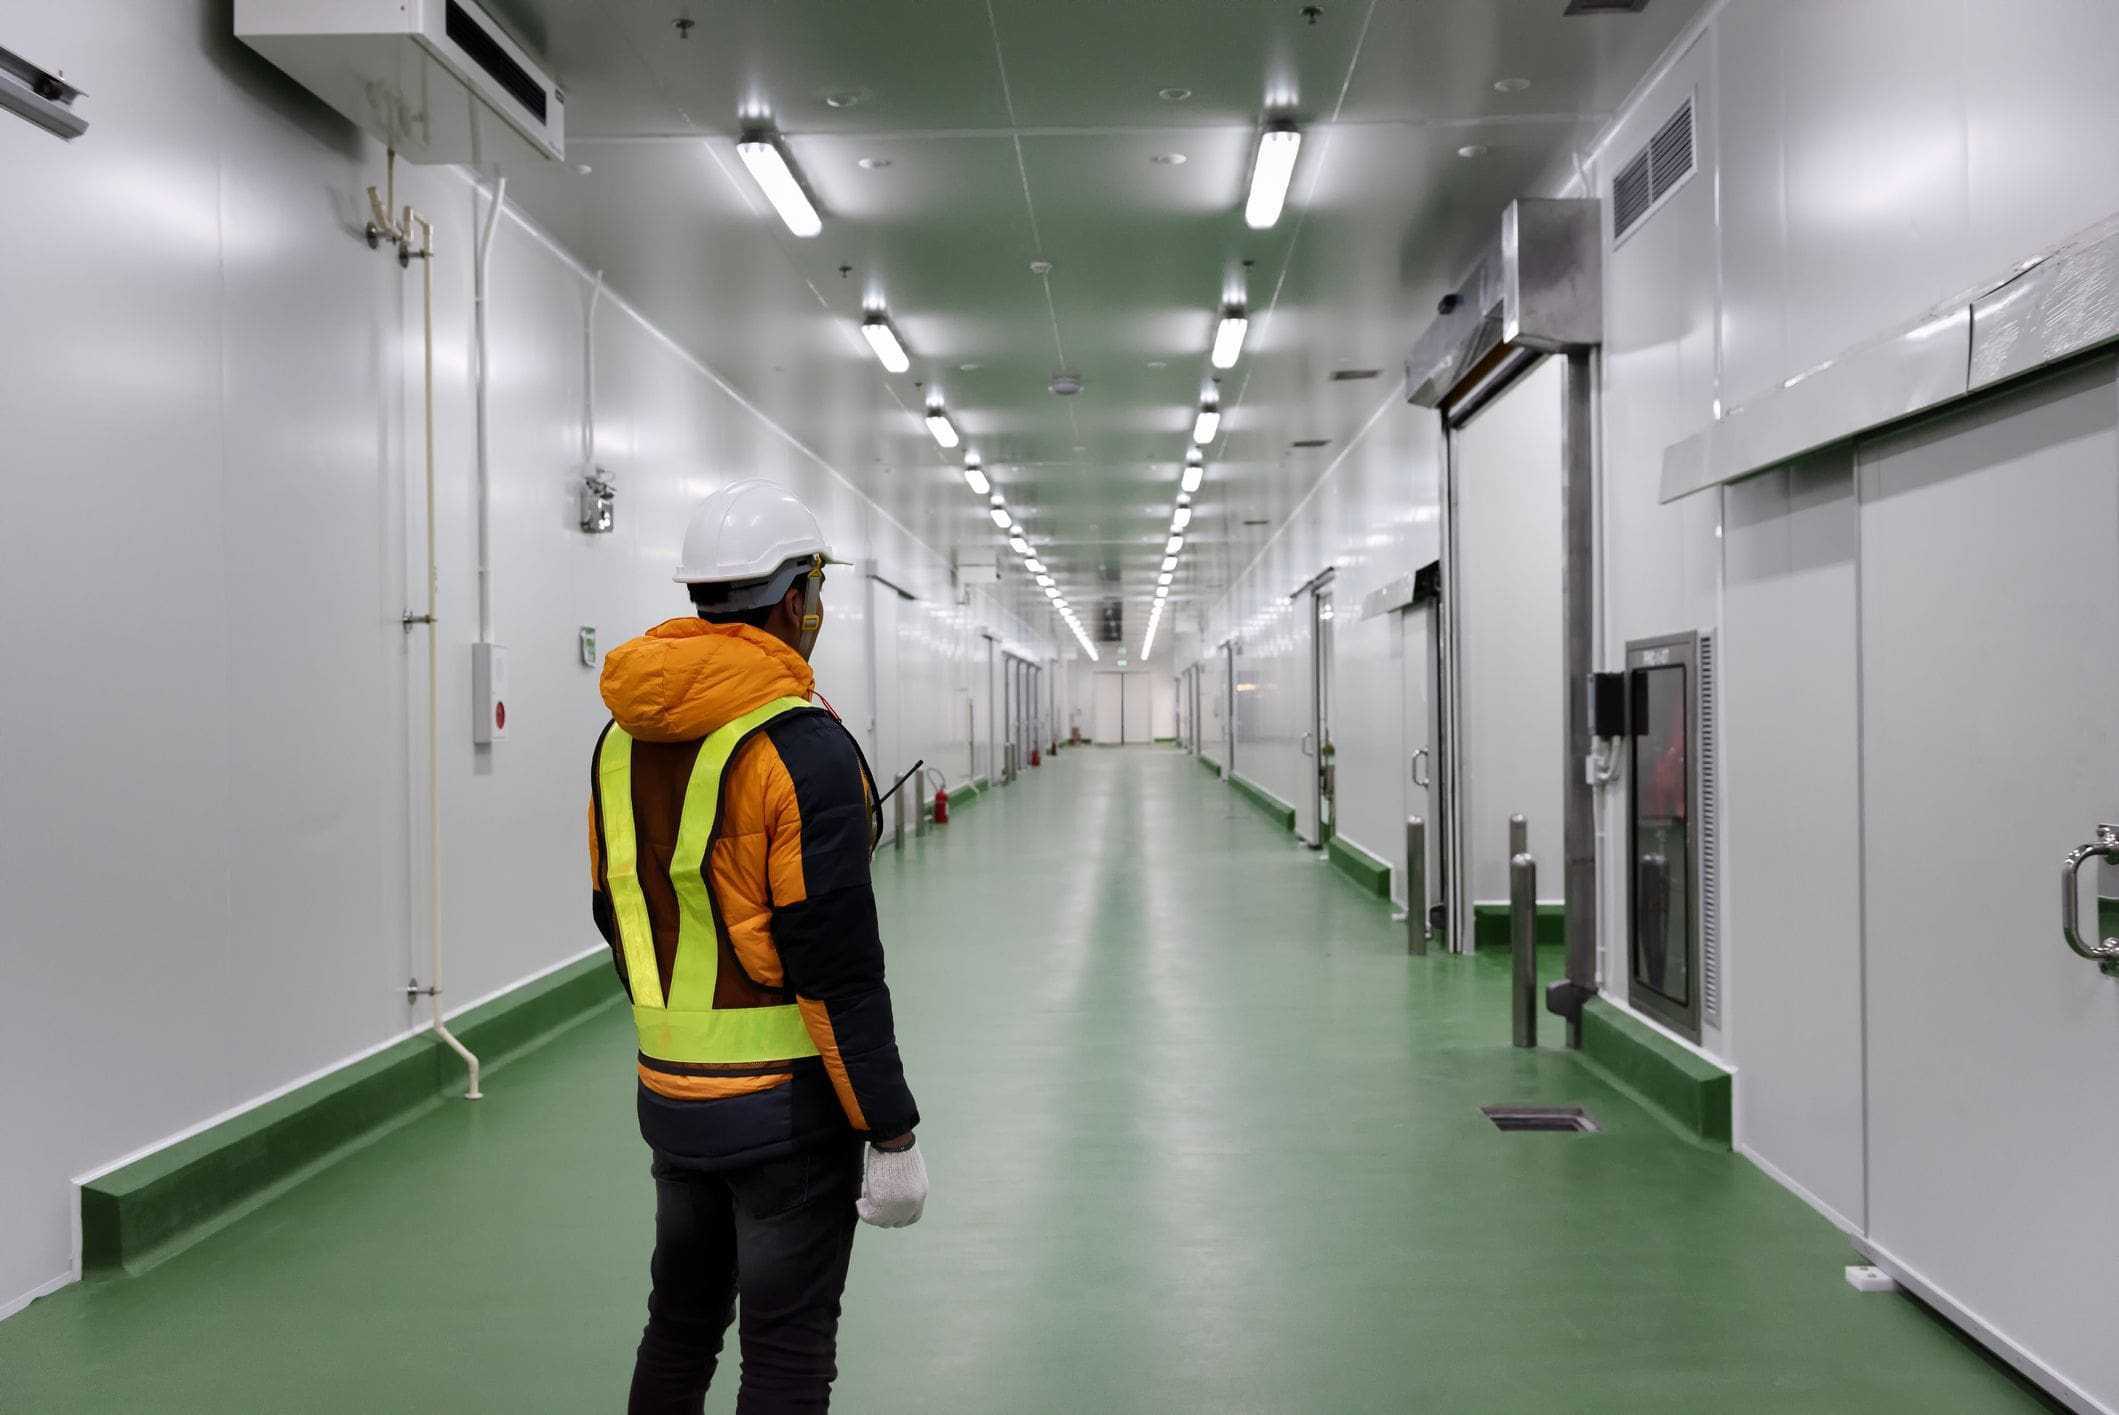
{"points": [[1202, 1137]]}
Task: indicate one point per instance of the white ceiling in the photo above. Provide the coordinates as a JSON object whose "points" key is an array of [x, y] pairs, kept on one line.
{"points": [[1017, 130]]}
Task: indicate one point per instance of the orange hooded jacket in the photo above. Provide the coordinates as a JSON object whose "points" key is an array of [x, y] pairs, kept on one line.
{"points": [[787, 870]]}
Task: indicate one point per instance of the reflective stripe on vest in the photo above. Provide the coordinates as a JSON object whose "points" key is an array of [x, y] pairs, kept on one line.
{"points": [[686, 1027]]}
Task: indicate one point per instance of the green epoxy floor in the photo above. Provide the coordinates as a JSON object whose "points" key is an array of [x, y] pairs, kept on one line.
{"points": [[1202, 1137]]}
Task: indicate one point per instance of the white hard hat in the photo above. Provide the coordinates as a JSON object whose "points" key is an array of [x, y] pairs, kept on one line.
{"points": [[748, 531]]}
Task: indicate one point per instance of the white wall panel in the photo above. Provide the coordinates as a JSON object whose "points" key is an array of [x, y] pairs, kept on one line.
{"points": [[226, 718], [1792, 774]]}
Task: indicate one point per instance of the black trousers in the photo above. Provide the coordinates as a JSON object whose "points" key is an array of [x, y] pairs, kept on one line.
{"points": [[779, 1233]]}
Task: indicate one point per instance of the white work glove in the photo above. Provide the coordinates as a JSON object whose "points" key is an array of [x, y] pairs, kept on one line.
{"points": [[893, 1187]]}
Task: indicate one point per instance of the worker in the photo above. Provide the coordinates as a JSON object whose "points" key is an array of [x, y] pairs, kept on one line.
{"points": [[731, 827]]}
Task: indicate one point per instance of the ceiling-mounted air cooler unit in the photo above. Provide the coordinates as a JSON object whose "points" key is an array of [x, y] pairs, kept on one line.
{"points": [[436, 79]]}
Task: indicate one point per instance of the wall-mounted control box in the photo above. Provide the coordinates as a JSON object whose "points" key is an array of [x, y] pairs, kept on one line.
{"points": [[489, 693]]}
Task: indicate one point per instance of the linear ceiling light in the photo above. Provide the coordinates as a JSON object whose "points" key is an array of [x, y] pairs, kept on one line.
{"points": [[1034, 565], [1000, 517], [1182, 519], [1271, 171], [1207, 423], [938, 423], [1164, 578], [1228, 339], [1173, 545], [1044, 582], [1195, 471], [884, 340], [769, 166], [1169, 562], [975, 477], [1017, 544]]}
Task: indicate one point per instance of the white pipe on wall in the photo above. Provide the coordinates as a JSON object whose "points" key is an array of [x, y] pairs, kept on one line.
{"points": [[448, 1038], [482, 262]]}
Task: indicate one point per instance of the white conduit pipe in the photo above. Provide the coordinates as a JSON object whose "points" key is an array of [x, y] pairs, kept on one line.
{"points": [[588, 382], [471, 1091], [485, 489]]}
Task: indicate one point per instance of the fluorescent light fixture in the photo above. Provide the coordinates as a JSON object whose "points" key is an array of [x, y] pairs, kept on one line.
{"points": [[1169, 562], [1164, 578], [1195, 471], [1034, 565], [1045, 582], [1271, 171], [1000, 517], [1184, 498], [1182, 519], [1206, 424], [1019, 545], [769, 167], [1173, 545], [1228, 339], [1162, 591], [976, 479], [944, 431], [884, 340]]}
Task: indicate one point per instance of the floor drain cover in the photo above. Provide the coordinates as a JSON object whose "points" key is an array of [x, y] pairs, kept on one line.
{"points": [[1539, 1117]]}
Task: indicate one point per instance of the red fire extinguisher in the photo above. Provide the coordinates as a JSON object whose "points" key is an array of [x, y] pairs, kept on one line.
{"points": [[1033, 756], [941, 806]]}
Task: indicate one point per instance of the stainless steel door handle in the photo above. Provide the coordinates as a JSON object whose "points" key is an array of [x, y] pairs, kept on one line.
{"points": [[1304, 745], [2105, 952], [1420, 778]]}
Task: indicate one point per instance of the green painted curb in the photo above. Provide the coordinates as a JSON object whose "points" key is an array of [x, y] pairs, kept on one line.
{"points": [[1689, 1089], [965, 795], [1266, 801], [134, 1217], [1490, 926], [1360, 866], [1214, 767]]}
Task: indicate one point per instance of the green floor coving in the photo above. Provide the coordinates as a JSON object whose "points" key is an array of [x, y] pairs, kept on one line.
{"points": [[1203, 1138]]}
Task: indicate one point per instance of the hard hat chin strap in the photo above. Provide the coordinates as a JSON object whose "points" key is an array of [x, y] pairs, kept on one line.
{"points": [[812, 606]]}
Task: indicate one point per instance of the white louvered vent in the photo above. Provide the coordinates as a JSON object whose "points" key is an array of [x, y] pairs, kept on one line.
{"points": [[1709, 843], [1663, 164]]}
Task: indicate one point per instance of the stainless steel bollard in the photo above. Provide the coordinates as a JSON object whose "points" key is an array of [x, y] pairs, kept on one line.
{"points": [[897, 835], [1523, 946], [1518, 837], [1415, 886], [920, 809]]}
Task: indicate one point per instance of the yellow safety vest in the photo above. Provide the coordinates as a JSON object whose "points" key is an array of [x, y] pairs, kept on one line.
{"points": [[686, 1027]]}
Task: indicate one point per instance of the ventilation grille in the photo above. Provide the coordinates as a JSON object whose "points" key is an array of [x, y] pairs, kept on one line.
{"points": [[1605, 7], [482, 49], [1710, 845], [1354, 375], [1653, 173], [1564, 1119]]}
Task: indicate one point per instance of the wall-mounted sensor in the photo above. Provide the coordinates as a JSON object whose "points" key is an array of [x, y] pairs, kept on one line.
{"points": [[598, 498], [588, 645], [489, 693]]}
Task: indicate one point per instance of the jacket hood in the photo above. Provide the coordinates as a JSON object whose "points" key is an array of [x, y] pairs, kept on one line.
{"points": [[684, 678]]}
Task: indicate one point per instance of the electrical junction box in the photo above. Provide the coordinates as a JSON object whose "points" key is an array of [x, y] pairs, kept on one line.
{"points": [[489, 693]]}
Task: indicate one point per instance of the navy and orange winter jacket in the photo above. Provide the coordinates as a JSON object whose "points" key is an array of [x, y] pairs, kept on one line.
{"points": [[787, 870]]}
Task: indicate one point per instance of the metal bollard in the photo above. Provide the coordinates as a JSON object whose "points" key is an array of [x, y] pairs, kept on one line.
{"points": [[919, 803], [1415, 886], [897, 835], [1518, 837], [1523, 946]]}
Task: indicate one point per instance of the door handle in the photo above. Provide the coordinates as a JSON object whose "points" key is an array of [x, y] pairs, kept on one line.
{"points": [[1420, 778], [1304, 745], [2105, 952]]}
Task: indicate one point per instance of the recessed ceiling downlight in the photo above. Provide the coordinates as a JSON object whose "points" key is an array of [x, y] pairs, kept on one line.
{"points": [[1472, 149], [873, 164], [1169, 159], [1511, 85], [1173, 95]]}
